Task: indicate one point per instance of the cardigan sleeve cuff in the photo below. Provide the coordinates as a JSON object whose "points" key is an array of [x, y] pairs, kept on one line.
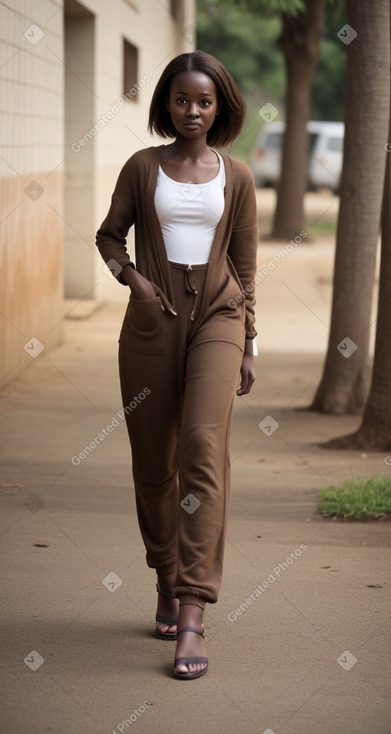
{"points": [[251, 332], [119, 276]]}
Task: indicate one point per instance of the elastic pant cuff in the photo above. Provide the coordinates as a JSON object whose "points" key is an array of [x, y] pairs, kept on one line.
{"points": [[166, 581], [198, 601]]}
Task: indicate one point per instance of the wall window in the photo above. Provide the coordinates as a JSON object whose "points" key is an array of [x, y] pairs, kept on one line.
{"points": [[130, 73]]}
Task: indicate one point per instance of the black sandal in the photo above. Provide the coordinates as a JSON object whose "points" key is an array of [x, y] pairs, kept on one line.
{"points": [[191, 661], [170, 621]]}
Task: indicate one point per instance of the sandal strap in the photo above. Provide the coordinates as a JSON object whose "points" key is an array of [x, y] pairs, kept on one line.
{"points": [[171, 621], [165, 593], [191, 629]]}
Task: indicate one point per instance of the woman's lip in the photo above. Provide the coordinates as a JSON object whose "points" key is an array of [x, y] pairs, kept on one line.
{"points": [[191, 124]]}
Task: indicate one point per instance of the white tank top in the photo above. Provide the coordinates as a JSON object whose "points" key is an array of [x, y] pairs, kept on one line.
{"points": [[189, 214]]}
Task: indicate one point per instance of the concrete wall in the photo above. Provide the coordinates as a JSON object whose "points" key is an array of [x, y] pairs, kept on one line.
{"points": [[32, 151], [62, 77]]}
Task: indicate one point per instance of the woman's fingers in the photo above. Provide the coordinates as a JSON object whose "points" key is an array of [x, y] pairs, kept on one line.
{"points": [[248, 377]]}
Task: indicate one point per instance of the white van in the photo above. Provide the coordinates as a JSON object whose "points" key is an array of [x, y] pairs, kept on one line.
{"points": [[324, 160]]}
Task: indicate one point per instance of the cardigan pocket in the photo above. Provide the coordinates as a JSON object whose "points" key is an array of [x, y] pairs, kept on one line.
{"points": [[143, 328]]}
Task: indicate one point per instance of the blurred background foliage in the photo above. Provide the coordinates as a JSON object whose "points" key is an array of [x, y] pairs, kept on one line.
{"points": [[247, 43]]}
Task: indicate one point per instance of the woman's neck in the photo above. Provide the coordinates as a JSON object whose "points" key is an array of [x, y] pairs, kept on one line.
{"points": [[190, 150]]}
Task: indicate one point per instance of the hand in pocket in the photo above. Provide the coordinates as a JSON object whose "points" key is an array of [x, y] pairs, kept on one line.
{"points": [[142, 289]]}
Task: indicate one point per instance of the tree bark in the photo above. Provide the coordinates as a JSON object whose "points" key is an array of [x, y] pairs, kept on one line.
{"points": [[300, 43], [375, 430], [345, 382]]}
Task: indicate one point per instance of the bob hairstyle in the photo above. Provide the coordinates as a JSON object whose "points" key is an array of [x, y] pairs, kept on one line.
{"points": [[227, 123]]}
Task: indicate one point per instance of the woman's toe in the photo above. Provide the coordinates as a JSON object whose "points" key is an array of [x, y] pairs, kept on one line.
{"points": [[165, 628], [182, 668]]}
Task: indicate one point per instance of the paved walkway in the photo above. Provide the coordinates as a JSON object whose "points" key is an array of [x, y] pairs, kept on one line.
{"points": [[299, 641]]}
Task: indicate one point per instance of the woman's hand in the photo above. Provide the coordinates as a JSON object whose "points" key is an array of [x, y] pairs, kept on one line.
{"points": [[247, 374], [141, 287]]}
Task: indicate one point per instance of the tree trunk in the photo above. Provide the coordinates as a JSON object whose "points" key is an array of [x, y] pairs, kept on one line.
{"points": [[300, 43], [345, 381], [375, 429]]}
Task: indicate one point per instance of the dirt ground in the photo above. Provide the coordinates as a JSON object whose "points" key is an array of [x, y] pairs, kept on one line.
{"points": [[299, 640]]}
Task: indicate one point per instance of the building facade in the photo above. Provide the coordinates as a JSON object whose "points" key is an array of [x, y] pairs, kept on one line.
{"points": [[76, 82]]}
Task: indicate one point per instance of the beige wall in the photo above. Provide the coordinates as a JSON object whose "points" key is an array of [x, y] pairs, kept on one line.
{"points": [[59, 80], [30, 181]]}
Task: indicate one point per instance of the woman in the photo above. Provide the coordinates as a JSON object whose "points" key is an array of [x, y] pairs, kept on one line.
{"points": [[187, 334]]}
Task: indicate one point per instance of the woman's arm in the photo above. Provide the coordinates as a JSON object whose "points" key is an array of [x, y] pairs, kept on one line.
{"points": [[247, 371], [243, 246], [243, 250], [112, 233]]}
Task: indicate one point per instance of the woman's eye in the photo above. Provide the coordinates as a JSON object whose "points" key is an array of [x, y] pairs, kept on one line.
{"points": [[204, 102]]}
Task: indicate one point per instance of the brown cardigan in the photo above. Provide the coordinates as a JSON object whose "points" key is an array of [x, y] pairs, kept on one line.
{"points": [[234, 245]]}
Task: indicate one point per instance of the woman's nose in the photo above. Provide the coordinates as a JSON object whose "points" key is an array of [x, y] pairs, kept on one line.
{"points": [[193, 111]]}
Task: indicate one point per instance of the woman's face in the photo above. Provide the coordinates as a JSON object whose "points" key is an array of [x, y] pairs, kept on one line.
{"points": [[192, 103]]}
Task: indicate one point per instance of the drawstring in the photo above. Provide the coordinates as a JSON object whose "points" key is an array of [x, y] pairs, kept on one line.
{"points": [[190, 287], [189, 281]]}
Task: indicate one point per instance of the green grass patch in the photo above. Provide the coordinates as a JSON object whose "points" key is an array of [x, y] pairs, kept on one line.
{"points": [[319, 229], [358, 498]]}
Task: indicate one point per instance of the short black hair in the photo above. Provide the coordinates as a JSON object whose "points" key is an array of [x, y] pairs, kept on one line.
{"points": [[227, 123]]}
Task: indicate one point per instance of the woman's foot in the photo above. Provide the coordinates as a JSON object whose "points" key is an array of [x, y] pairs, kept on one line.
{"points": [[166, 615], [189, 643]]}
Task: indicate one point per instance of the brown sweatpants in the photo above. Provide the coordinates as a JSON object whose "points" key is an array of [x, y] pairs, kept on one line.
{"points": [[180, 433]]}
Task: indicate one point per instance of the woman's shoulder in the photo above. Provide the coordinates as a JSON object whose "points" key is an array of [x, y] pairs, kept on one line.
{"points": [[240, 171], [143, 157]]}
